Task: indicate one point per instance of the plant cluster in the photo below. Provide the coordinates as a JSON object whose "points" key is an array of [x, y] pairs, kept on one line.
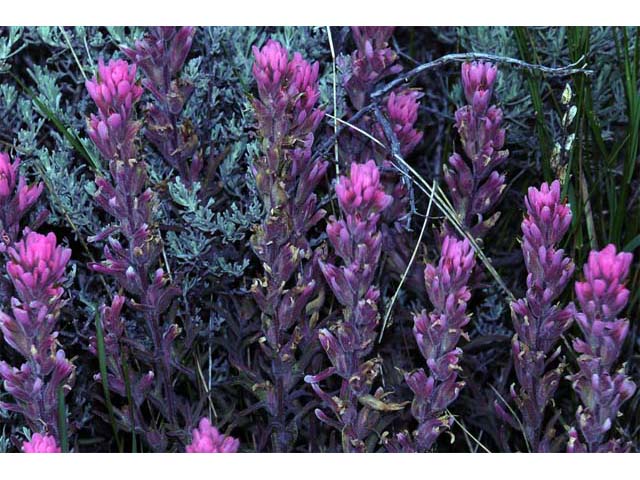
{"points": [[262, 239]]}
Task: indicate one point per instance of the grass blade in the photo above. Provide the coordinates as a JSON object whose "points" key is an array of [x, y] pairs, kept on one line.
{"points": [[62, 421]]}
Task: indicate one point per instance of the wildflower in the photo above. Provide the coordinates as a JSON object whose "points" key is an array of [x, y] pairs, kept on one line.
{"points": [[288, 293], [114, 89], [356, 239], [474, 183], [41, 444], [437, 334], [115, 92], [538, 320], [37, 269], [207, 439], [602, 296], [16, 198]]}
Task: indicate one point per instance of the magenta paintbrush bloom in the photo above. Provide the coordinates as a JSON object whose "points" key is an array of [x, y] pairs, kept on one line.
{"points": [[114, 89], [474, 183], [402, 109], [549, 218], [602, 388], [288, 91], [356, 239], [437, 334], [361, 193], [270, 69], [207, 439], [603, 295], [41, 444], [115, 92], [16, 198], [37, 269], [538, 320], [477, 83]]}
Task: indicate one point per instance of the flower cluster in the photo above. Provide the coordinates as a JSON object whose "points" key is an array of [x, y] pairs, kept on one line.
{"points": [[602, 296], [133, 248], [41, 444], [207, 439], [161, 54], [348, 342], [538, 320], [402, 110], [372, 61], [393, 125], [286, 106], [402, 113], [437, 334], [288, 295], [474, 183], [254, 265], [115, 92], [37, 270], [16, 199]]}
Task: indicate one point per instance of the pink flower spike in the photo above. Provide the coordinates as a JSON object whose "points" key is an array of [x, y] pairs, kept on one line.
{"points": [[8, 174], [362, 191], [41, 444], [207, 439], [114, 89], [605, 274], [36, 266], [478, 78]]}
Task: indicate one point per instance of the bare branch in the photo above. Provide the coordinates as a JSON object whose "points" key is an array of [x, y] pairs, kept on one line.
{"points": [[565, 71]]}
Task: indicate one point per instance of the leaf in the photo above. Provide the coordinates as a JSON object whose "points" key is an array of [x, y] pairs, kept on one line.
{"points": [[381, 406]]}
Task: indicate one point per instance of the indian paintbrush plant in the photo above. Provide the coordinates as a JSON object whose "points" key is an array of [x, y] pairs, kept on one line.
{"points": [[538, 318], [131, 258], [474, 183], [600, 383], [287, 293], [36, 268], [437, 334], [349, 341]]}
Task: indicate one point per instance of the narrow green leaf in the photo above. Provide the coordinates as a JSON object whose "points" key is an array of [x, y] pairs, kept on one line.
{"points": [[62, 421], [69, 135], [127, 386]]}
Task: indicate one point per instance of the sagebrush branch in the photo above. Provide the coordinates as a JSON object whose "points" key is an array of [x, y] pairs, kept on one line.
{"points": [[471, 56]]}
